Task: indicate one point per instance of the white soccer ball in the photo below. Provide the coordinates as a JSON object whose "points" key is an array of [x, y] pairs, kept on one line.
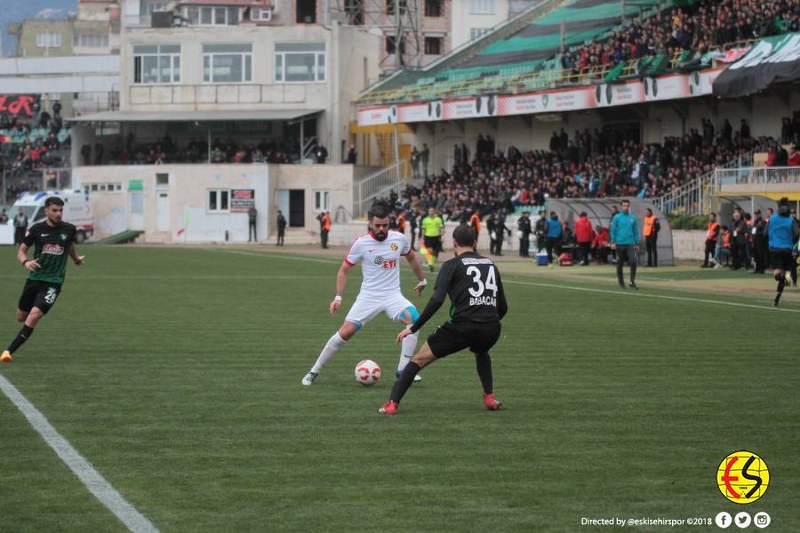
{"points": [[368, 372]]}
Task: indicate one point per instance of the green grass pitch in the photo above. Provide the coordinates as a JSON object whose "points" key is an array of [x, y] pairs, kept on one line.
{"points": [[176, 373]]}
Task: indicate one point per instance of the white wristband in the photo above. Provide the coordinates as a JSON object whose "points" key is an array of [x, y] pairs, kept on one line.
{"points": [[337, 298], [422, 283]]}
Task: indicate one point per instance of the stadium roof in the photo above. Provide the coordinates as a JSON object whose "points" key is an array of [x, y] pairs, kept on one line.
{"points": [[197, 116]]}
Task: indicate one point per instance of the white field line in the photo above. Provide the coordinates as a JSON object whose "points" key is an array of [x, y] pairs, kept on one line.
{"points": [[640, 294], [91, 478]]}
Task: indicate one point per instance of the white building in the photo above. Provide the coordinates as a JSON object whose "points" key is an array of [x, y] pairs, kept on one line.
{"points": [[243, 73], [472, 19]]}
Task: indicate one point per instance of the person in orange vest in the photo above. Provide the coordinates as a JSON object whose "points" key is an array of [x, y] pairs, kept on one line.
{"points": [[401, 222], [325, 224], [712, 236], [651, 228], [723, 247], [475, 224]]}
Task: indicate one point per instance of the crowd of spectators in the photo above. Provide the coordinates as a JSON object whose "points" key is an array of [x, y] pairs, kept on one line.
{"points": [[29, 145], [166, 150], [593, 165], [704, 26]]}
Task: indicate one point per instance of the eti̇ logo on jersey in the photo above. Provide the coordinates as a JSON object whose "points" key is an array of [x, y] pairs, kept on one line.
{"points": [[743, 477], [394, 246]]}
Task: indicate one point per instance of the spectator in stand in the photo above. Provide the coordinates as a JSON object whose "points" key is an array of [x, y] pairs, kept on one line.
{"points": [[352, 155], [794, 157], [414, 159], [320, 153]]}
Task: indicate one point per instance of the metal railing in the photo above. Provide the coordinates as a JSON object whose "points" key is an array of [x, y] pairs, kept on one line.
{"points": [[697, 196], [380, 185], [769, 177]]}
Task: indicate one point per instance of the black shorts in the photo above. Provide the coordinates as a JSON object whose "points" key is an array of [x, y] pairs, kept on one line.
{"points": [[41, 294], [451, 338], [781, 259], [434, 244]]}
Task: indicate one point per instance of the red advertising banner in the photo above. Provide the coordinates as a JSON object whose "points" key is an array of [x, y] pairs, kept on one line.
{"points": [[242, 200], [668, 87], [19, 105]]}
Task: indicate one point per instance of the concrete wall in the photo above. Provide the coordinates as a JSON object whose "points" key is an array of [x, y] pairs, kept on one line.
{"points": [[688, 244], [185, 206]]}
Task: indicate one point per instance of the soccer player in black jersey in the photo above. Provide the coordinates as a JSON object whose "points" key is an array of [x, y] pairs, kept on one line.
{"points": [[478, 303], [54, 240]]}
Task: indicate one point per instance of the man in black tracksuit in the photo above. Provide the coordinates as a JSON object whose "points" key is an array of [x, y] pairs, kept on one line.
{"points": [[478, 303], [524, 228]]}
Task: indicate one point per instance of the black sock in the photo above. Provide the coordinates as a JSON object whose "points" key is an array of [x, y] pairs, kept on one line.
{"points": [[23, 335], [781, 285], [633, 273], [484, 365], [404, 382]]}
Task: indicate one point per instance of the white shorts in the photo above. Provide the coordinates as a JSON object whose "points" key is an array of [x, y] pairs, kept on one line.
{"points": [[366, 308]]}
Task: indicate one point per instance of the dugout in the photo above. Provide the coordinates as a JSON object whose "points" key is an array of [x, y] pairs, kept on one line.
{"points": [[599, 212], [746, 203]]}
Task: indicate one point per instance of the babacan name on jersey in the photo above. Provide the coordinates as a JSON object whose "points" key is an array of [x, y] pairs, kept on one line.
{"points": [[480, 286]]}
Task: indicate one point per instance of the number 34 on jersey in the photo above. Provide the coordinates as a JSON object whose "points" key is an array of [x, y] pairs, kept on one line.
{"points": [[479, 292]]}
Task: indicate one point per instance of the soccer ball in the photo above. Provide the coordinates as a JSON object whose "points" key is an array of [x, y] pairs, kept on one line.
{"points": [[368, 372]]}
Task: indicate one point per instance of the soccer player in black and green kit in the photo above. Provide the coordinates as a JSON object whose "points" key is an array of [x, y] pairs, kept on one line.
{"points": [[54, 240], [478, 303]]}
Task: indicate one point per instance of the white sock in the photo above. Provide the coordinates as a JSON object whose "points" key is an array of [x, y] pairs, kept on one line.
{"points": [[330, 349], [407, 348]]}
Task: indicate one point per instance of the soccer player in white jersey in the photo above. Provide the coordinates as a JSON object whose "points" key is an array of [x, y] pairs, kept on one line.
{"points": [[379, 253]]}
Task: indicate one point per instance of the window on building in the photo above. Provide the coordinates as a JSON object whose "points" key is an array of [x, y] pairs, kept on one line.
{"points": [[92, 40], [322, 200], [475, 33], [48, 39], [481, 7], [162, 179], [433, 8], [306, 11], [299, 62], [148, 7], [355, 12], [211, 15], [433, 46], [227, 63], [393, 6], [219, 201], [104, 187], [392, 45], [157, 63]]}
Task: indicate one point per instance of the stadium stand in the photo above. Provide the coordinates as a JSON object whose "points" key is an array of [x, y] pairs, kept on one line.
{"points": [[590, 165], [593, 41]]}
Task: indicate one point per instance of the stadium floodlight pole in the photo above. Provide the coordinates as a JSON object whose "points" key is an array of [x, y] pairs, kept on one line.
{"points": [[563, 36], [622, 14]]}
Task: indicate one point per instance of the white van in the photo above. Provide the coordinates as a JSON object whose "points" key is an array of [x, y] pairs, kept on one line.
{"points": [[77, 210]]}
